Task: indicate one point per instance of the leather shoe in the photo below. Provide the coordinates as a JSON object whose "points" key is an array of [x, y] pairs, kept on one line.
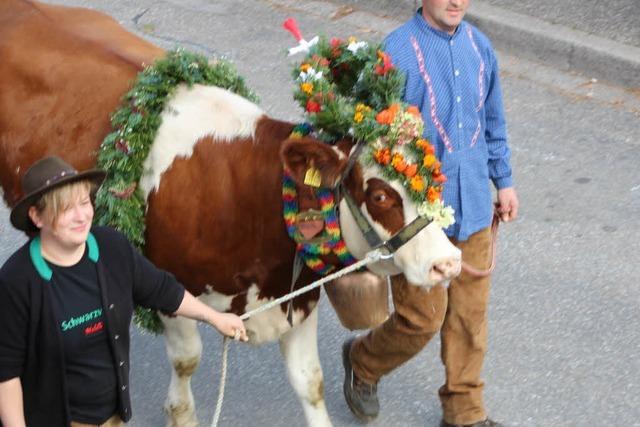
{"points": [[485, 423], [361, 397]]}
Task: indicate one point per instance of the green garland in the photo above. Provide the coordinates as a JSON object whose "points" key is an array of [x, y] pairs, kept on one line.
{"points": [[120, 203]]}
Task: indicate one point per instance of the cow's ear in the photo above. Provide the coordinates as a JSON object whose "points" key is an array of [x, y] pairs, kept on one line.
{"points": [[301, 155]]}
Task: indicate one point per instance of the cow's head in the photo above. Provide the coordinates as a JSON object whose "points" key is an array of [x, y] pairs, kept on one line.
{"points": [[427, 259]]}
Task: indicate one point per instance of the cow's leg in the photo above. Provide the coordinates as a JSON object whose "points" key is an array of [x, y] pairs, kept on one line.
{"points": [[184, 349], [299, 347]]}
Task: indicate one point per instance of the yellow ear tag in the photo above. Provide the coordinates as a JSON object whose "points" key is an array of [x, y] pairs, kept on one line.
{"points": [[312, 177]]}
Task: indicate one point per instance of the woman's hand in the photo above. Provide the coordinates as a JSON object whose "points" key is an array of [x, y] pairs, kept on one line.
{"points": [[229, 324]]}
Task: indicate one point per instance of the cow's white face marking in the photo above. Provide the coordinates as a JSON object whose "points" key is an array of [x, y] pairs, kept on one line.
{"points": [[191, 114], [416, 258]]}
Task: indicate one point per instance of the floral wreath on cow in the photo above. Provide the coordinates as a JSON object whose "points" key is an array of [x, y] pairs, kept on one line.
{"points": [[351, 88]]}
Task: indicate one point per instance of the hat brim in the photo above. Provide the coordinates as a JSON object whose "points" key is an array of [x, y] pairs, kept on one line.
{"points": [[20, 213]]}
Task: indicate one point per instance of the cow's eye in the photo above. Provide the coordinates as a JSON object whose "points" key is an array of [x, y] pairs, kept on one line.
{"points": [[380, 197]]}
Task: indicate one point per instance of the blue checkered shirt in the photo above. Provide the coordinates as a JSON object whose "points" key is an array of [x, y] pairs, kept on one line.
{"points": [[454, 81]]}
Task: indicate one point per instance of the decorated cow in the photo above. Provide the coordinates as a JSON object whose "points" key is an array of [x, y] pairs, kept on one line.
{"points": [[231, 194]]}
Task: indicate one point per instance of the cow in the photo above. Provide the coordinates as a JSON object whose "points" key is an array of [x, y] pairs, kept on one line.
{"points": [[212, 182]]}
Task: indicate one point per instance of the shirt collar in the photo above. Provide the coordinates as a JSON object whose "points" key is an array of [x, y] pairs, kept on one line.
{"points": [[41, 266], [424, 26]]}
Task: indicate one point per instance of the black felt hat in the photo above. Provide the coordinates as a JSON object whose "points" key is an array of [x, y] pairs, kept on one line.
{"points": [[42, 176]]}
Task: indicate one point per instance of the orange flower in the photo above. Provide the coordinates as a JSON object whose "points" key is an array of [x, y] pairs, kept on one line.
{"points": [[305, 67], [307, 88], [383, 156], [398, 162], [433, 194], [438, 177], [411, 170], [413, 110], [425, 146], [417, 184], [386, 117], [429, 160]]}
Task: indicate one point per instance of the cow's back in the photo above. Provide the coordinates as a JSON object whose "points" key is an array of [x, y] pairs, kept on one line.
{"points": [[63, 71]]}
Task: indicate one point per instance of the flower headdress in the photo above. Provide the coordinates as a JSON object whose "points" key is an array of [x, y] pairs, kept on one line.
{"points": [[351, 88]]}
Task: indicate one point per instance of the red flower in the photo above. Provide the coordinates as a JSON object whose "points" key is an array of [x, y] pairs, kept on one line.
{"points": [[312, 106], [335, 42], [386, 66]]}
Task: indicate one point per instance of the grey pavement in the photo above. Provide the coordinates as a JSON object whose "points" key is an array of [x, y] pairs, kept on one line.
{"points": [[565, 306], [599, 39]]}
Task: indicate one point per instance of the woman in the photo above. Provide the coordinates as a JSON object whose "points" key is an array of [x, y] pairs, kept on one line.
{"points": [[66, 300]]}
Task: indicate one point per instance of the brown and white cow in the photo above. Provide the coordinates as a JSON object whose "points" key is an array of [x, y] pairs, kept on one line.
{"points": [[212, 180]]}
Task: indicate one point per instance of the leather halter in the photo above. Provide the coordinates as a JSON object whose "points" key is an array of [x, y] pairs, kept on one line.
{"points": [[373, 239]]}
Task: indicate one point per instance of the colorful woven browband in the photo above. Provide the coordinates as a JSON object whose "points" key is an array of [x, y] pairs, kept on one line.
{"points": [[311, 252]]}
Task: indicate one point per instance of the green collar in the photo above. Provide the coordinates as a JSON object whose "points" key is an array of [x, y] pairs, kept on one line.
{"points": [[41, 265]]}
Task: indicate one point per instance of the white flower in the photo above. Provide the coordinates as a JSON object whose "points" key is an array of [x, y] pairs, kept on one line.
{"points": [[355, 46], [310, 75], [437, 212]]}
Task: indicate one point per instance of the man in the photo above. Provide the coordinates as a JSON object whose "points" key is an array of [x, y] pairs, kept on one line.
{"points": [[452, 76]]}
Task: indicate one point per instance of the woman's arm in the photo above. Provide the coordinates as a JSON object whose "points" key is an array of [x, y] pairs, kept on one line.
{"points": [[226, 323], [11, 406]]}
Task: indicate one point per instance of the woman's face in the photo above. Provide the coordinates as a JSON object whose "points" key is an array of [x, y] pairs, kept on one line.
{"points": [[72, 226]]}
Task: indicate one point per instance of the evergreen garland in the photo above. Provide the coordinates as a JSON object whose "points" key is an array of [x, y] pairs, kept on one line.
{"points": [[119, 202]]}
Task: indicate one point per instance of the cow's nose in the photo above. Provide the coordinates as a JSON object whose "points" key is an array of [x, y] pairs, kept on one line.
{"points": [[446, 268]]}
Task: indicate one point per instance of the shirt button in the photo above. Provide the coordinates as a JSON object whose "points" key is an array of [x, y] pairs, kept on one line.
{"points": [[111, 306], [459, 125], [121, 363], [116, 336], [456, 72], [124, 387], [458, 99], [451, 42]]}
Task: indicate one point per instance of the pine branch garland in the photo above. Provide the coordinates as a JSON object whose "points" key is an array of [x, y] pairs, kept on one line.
{"points": [[120, 203]]}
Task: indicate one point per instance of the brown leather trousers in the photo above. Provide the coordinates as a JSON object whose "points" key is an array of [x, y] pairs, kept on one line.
{"points": [[459, 313]]}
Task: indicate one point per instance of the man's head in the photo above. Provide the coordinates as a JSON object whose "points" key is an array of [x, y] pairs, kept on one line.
{"points": [[444, 15]]}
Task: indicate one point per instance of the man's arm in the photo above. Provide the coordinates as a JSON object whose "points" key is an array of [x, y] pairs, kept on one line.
{"points": [[496, 130], [11, 405]]}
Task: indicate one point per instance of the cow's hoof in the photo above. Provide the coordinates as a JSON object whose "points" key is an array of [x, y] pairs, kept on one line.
{"points": [[181, 415]]}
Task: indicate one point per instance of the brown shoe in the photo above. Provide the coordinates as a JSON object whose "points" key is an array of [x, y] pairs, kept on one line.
{"points": [[486, 423], [361, 397]]}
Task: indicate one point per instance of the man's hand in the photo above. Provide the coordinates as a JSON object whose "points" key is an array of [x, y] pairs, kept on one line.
{"points": [[508, 204]]}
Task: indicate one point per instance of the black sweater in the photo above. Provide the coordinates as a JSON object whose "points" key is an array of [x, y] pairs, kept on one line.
{"points": [[30, 341]]}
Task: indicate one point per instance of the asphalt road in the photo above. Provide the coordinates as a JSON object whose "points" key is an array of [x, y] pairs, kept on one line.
{"points": [[564, 337]]}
